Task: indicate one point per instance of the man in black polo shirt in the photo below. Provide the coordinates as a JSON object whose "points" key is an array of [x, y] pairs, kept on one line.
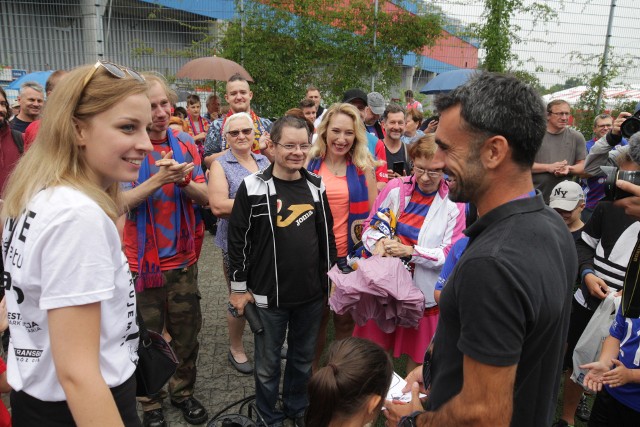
{"points": [[504, 313]]}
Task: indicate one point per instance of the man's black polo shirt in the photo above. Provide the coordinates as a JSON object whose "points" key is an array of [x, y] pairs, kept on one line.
{"points": [[508, 302]]}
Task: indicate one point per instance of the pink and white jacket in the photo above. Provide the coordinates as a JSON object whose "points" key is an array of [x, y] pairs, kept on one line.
{"points": [[441, 229]]}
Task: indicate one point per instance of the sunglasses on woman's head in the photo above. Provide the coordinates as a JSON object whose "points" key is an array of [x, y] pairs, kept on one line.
{"points": [[117, 71]]}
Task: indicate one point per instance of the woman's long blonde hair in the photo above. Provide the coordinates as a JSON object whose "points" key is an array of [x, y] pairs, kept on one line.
{"points": [[360, 155], [55, 158]]}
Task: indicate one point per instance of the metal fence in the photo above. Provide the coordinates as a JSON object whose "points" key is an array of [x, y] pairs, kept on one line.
{"points": [[41, 35], [557, 50]]}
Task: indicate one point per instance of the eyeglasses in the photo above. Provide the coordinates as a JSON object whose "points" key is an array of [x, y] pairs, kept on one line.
{"points": [[235, 133], [560, 114], [292, 147], [607, 125], [115, 70], [431, 174]]}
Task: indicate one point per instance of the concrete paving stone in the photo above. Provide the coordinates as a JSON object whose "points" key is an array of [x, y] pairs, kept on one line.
{"points": [[218, 384]]}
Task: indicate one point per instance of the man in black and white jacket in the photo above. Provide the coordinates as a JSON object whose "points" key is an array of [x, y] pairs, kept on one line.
{"points": [[604, 248], [281, 246]]}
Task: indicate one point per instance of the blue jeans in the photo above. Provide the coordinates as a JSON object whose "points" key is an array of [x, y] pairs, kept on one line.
{"points": [[303, 323]]}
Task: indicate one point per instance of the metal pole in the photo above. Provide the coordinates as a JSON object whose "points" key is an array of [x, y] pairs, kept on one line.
{"points": [[242, 24], [605, 56], [375, 31]]}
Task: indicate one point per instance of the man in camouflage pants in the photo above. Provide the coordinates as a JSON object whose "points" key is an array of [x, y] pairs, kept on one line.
{"points": [[161, 215]]}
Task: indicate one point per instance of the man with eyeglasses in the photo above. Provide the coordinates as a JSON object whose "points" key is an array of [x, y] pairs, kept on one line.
{"points": [[562, 152], [31, 101], [238, 95], [279, 214]]}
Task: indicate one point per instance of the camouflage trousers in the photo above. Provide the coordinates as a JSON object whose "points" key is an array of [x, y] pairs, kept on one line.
{"points": [[175, 306]]}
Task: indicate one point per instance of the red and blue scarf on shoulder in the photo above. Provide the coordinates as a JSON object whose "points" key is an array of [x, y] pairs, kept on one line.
{"points": [[358, 199]]}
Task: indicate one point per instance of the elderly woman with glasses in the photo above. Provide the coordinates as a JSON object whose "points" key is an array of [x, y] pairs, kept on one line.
{"points": [[341, 157], [227, 173], [428, 224], [69, 290]]}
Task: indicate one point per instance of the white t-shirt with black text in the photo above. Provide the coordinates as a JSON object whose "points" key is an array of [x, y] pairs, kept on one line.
{"points": [[65, 251]]}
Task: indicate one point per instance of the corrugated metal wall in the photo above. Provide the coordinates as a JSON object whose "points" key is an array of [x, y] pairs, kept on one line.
{"points": [[51, 34], [40, 36]]}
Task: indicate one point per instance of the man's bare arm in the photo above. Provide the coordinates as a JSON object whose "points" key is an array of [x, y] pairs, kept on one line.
{"points": [[197, 191], [547, 167], [486, 398], [578, 169]]}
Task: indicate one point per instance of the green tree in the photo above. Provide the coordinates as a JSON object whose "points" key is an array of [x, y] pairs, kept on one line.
{"points": [[585, 109], [528, 78], [498, 31], [287, 45]]}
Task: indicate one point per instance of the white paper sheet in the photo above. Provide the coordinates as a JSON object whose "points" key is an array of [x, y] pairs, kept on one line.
{"points": [[395, 391]]}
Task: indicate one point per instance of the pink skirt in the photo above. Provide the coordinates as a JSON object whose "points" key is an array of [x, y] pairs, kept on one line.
{"points": [[410, 341]]}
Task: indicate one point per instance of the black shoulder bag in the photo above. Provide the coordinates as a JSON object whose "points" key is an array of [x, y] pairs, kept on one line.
{"points": [[157, 361]]}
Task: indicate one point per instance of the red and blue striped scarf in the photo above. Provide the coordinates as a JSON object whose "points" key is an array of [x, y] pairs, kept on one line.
{"points": [[149, 272], [358, 199]]}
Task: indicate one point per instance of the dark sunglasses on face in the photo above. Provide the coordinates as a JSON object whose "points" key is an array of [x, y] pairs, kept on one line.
{"points": [[235, 133]]}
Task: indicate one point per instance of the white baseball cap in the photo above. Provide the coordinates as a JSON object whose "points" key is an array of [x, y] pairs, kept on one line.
{"points": [[566, 196]]}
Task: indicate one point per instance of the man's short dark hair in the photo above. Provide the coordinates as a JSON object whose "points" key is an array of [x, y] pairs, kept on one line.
{"points": [[391, 109], [408, 93], [237, 77], [193, 100], [312, 87], [307, 103], [290, 122], [498, 104]]}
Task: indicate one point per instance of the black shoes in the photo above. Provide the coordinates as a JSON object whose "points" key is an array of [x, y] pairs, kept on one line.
{"points": [[153, 418], [192, 410], [582, 411]]}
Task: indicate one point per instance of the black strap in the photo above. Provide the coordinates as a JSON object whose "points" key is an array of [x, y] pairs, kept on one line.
{"points": [[17, 139], [630, 306], [142, 330]]}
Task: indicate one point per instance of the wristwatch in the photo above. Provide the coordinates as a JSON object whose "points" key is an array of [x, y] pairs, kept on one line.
{"points": [[409, 420]]}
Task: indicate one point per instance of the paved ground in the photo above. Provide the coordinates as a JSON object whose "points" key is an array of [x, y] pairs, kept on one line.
{"points": [[218, 383]]}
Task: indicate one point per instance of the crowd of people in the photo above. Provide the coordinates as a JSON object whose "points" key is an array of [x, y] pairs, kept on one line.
{"points": [[108, 189]]}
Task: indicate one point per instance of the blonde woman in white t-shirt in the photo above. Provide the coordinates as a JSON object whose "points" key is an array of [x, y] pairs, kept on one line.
{"points": [[70, 297]]}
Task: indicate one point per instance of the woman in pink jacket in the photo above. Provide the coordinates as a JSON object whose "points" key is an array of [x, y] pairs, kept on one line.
{"points": [[428, 225]]}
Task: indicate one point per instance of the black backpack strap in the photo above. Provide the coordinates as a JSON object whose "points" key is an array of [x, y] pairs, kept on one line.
{"points": [[17, 139]]}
